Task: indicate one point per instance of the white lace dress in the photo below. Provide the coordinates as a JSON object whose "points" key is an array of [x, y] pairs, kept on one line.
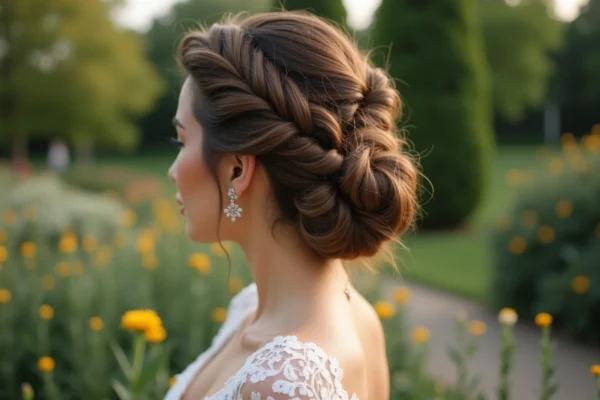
{"points": [[283, 369]]}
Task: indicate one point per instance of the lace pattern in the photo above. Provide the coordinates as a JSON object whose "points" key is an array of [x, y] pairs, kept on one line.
{"points": [[283, 369]]}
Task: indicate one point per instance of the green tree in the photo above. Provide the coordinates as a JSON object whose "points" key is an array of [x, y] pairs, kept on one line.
{"points": [[437, 50], [163, 38], [520, 41], [578, 77], [330, 9], [68, 71]]}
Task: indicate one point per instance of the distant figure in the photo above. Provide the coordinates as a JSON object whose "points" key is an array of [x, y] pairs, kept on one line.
{"points": [[58, 156]]}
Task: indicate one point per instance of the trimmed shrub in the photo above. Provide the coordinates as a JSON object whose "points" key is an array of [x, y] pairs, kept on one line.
{"points": [[437, 50], [330, 9], [547, 248]]}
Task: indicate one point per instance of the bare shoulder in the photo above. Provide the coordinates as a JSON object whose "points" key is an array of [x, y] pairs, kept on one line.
{"points": [[329, 360]]}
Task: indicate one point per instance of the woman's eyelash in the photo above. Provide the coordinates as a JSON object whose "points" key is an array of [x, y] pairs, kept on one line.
{"points": [[176, 142]]}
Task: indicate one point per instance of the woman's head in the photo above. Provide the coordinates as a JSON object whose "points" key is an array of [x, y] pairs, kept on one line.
{"points": [[283, 108]]}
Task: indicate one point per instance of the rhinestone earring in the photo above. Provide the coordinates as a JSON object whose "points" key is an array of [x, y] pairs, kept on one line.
{"points": [[233, 211]]}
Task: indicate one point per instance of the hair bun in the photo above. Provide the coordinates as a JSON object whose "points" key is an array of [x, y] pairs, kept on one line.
{"points": [[372, 205]]}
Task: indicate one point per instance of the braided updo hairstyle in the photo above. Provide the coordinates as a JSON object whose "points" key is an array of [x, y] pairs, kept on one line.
{"points": [[295, 92]]}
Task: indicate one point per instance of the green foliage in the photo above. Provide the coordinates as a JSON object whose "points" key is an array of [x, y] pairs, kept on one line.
{"points": [[578, 77], [519, 43], [162, 40], [330, 9], [82, 77], [447, 98], [133, 269], [548, 247]]}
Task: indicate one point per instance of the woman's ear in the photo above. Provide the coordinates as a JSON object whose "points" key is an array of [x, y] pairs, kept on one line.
{"points": [[242, 172]]}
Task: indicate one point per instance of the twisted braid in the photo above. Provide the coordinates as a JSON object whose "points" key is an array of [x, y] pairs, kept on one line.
{"points": [[293, 91]]}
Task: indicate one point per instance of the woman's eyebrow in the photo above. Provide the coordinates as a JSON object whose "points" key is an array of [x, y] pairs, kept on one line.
{"points": [[177, 123]]}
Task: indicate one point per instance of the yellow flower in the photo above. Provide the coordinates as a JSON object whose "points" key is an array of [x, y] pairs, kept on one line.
{"points": [[384, 309], [557, 166], [508, 316], [47, 282], [216, 249], [580, 284], [401, 295], [4, 296], [46, 364], [145, 243], [2, 236], [129, 218], [3, 254], [96, 324], [120, 240], [591, 142], [515, 178], [68, 243], [517, 245], [27, 249], [219, 315], [140, 320], [46, 312], [155, 334], [235, 285], [78, 268], [564, 209], [103, 255], [62, 269], [149, 261], [503, 224], [477, 328], [172, 381], [546, 234], [89, 243], [420, 334], [543, 319], [10, 217], [529, 218], [200, 262], [29, 213], [567, 138], [595, 370]]}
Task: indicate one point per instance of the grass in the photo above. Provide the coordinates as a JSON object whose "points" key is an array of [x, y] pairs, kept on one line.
{"points": [[459, 262]]}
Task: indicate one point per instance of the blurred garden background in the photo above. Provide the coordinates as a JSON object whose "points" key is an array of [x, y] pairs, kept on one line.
{"points": [[502, 104]]}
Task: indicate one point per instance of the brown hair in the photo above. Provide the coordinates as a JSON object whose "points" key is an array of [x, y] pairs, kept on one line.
{"points": [[294, 91]]}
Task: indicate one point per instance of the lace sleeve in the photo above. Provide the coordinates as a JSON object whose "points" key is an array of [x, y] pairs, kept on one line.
{"points": [[286, 369]]}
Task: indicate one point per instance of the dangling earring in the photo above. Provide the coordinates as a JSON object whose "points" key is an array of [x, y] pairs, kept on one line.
{"points": [[233, 211]]}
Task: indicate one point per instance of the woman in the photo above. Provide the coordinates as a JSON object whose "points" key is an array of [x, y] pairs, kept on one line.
{"points": [[288, 148]]}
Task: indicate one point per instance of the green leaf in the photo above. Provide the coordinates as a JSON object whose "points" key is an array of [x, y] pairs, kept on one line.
{"points": [[121, 359], [154, 365], [120, 390]]}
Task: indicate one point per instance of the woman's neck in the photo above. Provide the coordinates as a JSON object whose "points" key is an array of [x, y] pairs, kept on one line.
{"points": [[292, 284]]}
